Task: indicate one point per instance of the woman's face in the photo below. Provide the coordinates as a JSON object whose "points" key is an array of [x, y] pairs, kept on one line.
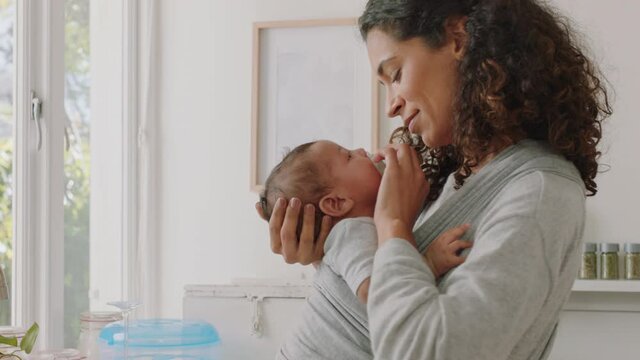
{"points": [[420, 81]]}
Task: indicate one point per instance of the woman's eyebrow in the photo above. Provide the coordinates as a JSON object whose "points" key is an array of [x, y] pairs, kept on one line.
{"points": [[382, 64]]}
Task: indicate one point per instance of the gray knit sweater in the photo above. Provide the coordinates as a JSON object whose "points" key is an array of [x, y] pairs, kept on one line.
{"points": [[504, 301]]}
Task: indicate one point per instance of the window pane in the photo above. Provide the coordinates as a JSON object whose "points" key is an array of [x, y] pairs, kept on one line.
{"points": [[7, 21], [76, 167]]}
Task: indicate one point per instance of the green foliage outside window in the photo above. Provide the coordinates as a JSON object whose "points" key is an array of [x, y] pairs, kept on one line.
{"points": [[76, 167]]}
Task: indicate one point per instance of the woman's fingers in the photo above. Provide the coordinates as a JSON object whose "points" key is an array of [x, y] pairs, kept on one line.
{"points": [[404, 154], [305, 246], [288, 232], [377, 157], [275, 225], [401, 195], [283, 231], [390, 156], [405, 151]]}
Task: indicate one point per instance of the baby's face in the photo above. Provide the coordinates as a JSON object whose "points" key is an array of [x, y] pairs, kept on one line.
{"points": [[350, 169]]}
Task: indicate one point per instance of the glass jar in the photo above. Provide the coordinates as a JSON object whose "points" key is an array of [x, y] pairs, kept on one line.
{"points": [[632, 261], [91, 323], [588, 269], [10, 332], [609, 261]]}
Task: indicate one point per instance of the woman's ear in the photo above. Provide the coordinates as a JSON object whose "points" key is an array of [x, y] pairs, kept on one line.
{"points": [[456, 29], [335, 205]]}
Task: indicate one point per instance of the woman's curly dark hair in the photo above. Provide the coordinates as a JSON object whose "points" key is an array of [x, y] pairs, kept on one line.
{"points": [[523, 75]]}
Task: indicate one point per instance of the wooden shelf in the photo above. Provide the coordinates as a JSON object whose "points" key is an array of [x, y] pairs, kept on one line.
{"points": [[619, 286]]}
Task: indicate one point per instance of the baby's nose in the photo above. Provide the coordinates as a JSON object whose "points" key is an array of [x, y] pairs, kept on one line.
{"points": [[361, 152]]}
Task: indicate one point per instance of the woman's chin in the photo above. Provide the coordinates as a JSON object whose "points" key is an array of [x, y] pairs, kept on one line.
{"points": [[432, 142], [427, 140]]}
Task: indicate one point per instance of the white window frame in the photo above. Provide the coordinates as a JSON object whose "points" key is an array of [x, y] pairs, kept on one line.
{"points": [[38, 275], [38, 210]]}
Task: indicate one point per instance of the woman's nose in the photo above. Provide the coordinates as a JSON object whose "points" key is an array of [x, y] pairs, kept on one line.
{"points": [[394, 105]]}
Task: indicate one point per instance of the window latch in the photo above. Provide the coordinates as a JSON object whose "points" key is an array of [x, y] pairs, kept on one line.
{"points": [[36, 112]]}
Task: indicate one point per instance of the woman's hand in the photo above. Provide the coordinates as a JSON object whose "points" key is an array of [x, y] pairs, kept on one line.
{"points": [[402, 193], [282, 231]]}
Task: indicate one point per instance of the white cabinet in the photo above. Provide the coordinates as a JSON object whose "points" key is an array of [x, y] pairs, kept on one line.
{"points": [[252, 317], [600, 321]]}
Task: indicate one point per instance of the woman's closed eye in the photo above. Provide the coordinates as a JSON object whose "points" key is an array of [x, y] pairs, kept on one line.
{"points": [[396, 76]]}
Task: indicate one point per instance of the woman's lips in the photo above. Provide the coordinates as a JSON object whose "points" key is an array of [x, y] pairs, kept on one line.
{"points": [[411, 123]]}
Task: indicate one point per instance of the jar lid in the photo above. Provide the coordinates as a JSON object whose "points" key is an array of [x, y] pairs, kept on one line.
{"points": [[632, 247], [67, 354], [12, 331], [160, 333], [101, 316], [609, 247], [589, 247]]}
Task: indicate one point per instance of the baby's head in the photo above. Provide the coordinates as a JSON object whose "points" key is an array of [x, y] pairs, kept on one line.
{"points": [[340, 183]]}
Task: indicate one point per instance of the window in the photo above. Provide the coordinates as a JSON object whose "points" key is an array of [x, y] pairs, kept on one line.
{"points": [[66, 208], [7, 21]]}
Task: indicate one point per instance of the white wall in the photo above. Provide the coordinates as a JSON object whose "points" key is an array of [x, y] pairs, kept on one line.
{"points": [[609, 29], [208, 230]]}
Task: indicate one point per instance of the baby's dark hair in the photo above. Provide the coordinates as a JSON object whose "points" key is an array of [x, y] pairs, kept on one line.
{"points": [[297, 175]]}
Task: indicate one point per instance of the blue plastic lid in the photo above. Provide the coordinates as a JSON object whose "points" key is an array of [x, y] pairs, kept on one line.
{"points": [[161, 333]]}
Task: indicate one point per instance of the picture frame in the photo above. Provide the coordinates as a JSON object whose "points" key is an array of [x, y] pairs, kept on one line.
{"points": [[311, 80], [384, 124]]}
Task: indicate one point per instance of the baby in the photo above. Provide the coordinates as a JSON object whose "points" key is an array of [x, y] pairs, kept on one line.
{"points": [[344, 184]]}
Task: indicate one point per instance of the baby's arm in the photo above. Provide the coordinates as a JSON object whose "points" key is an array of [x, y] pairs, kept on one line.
{"points": [[443, 253]]}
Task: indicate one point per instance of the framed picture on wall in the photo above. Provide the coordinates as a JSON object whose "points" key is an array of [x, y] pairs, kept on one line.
{"points": [[311, 80], [385, 125]]}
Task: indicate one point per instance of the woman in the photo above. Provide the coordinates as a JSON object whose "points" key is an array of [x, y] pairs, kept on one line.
{"points": [[509, 109]]}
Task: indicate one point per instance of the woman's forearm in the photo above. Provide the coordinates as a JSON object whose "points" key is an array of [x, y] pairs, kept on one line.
{"points": [[394, 229]]}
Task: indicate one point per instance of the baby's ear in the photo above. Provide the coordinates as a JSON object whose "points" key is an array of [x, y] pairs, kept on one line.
{"points": [[335, 205]]}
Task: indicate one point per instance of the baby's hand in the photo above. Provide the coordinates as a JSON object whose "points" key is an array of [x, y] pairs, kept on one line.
{"points": [[443, 253]]}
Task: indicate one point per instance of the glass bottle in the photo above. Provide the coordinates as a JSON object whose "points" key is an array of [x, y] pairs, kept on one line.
{"points": [[588, 268], [609, 261], [90, 325], [632, 261], [126, 307]]}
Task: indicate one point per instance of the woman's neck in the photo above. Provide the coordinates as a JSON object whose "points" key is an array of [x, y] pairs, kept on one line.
{"points": [[496, 149]]}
